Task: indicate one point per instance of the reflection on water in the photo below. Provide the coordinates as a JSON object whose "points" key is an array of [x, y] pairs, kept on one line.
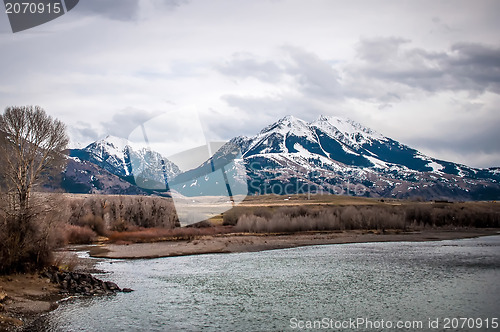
{"points": [[263, 291]]}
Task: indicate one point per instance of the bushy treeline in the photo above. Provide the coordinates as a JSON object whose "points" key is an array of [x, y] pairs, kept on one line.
{"points": [[97, 215], [472, 214], [297, 219], [379, 217], [56, 220]]}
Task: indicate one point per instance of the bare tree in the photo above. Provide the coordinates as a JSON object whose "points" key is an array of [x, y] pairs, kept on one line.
{"points": [[31, 143]]}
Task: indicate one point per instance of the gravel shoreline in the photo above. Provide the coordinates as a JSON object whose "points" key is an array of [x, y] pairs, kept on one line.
{"points": [[242, 242]]}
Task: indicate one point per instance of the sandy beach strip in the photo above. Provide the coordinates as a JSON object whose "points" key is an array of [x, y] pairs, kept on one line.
{"points": [[230, 243]]}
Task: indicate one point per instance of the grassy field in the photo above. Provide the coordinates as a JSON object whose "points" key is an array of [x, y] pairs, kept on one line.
{"points": [[304, 199]]}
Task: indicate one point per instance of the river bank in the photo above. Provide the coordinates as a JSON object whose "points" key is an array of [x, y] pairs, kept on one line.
{"points": [[245, 242], [24, 297]]}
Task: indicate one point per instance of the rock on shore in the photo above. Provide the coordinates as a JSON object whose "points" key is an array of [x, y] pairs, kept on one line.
{"points": [[83, 284]]}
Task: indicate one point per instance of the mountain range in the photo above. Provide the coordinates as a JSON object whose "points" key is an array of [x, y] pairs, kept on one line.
{"points": [[329, 155]]}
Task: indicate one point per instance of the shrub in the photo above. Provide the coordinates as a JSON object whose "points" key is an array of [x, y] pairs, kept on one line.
{"points": [[263, 212], [328, 219], [201, 224], [251, 223], [80, 234], [119, 225], [162, 234], [295, 211], [350, 218], [95, 223], [230, 217]]}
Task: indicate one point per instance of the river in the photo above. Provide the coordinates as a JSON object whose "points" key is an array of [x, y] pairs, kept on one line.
{"points": [[377, 285]]}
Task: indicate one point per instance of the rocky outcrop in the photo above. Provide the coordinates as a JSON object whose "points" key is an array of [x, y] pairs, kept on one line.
{"points": [[3, 298], [83, 284]]}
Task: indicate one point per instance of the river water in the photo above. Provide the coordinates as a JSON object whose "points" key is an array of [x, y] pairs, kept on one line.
{"points": [[332, 286]]}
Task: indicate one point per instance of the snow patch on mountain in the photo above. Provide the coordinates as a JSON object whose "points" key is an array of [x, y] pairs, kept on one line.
{"points": [[347, 131], [435, 166], [377, 162], [286, 125], [112, 150]]}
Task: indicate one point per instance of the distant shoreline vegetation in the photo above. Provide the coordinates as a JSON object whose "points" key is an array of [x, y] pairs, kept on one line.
{"points": [[349, 213], [119, 219]]}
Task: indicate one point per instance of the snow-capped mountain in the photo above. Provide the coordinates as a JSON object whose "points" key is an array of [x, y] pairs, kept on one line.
{"points": [[333, 140], [330, 155], [117, 156], [338, 155], [111, 153]]}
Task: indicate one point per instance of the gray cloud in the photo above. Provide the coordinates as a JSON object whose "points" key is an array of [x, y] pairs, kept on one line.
{"points": [[379, 49], [224, 126], [121, 124], [125, 121], [482, 138], [170, 4], [478, 65], [477, 146], [82, 133], [271, 108], [465, 67], [245, 65], [268, 108], [386, 71], [122, 10], [314, 76]]}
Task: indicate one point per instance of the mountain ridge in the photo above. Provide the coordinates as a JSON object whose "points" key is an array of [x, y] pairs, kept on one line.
{"points": [[329, 155], [347, 153]]}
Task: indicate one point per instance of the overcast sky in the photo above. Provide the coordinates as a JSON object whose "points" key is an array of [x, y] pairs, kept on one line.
{"points": [[426, 73]]}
